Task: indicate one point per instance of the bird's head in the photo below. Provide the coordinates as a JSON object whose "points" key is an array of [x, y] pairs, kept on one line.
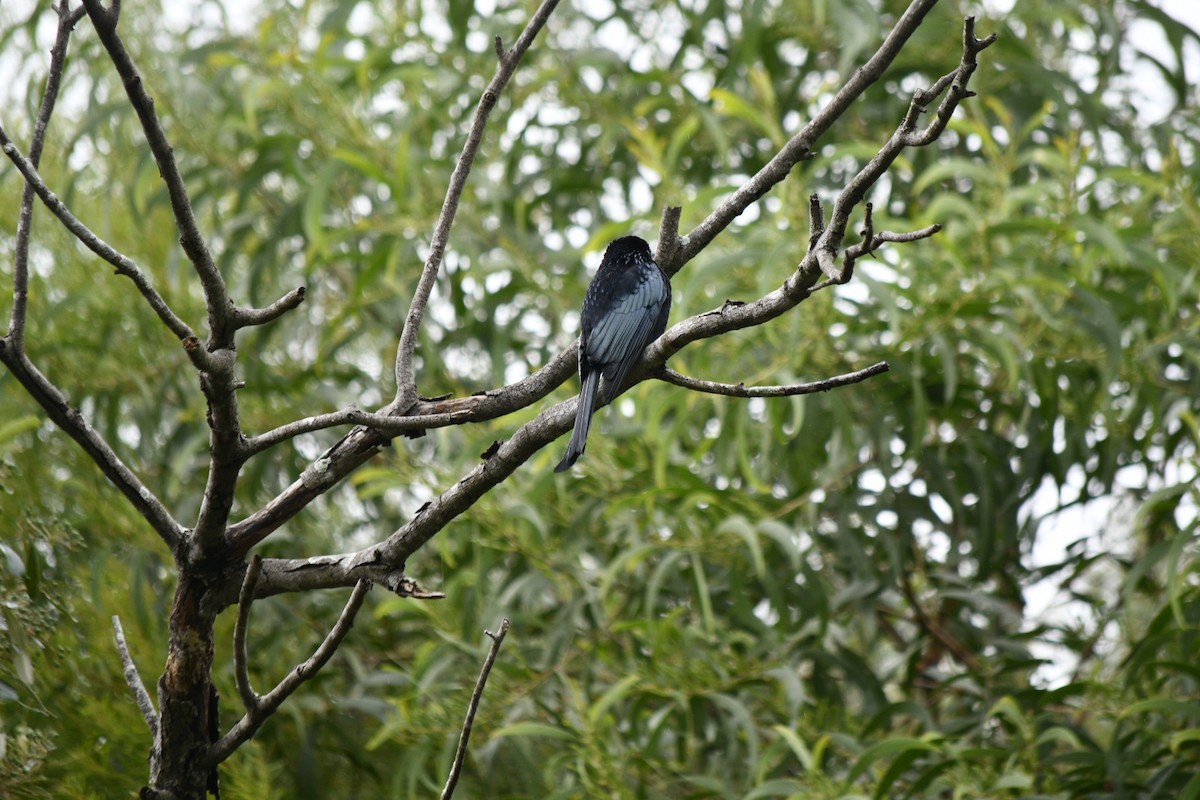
{"points": [[628, 248]]}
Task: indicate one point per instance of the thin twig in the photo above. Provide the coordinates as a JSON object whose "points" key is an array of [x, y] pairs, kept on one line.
{"points": [[406, 384], [857, 251], [800, 146], [58, 57], [120, 262], [824, 253], [355, 416], [134, 680], [790, 390], [246, 317], [241, 669], [957, 81], [267, 704], [476, 696]]}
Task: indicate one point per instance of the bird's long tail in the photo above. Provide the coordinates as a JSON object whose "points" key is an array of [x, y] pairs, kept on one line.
{"points": [[583, 421]]}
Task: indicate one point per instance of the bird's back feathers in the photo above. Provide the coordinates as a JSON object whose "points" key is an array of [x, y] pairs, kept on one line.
{"points": [[626, 308]]}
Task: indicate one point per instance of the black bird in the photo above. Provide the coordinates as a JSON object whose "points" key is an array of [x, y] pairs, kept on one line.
{"points": [[625, 309]]}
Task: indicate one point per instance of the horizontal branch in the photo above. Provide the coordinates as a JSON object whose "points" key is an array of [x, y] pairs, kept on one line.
{"points": [[362, 443], [292, 575], [266, 705], [395, 425], [247, 317], [406, 384], [388, 557], [790, 390]]}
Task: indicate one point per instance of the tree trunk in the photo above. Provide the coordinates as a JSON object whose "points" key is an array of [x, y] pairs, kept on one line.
{"points": [[187, 699]]}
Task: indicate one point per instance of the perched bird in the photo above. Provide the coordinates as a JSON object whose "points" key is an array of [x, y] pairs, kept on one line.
{"points": [[625, 309]]}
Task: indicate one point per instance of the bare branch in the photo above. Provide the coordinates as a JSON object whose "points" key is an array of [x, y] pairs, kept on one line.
{"points": [[823, 253], [58, 57], [241, 669], [476, 696], [800, 146], [267, 704], [406, 384], [246, 317], [363, 443], [864, 248], [957, 81], [857, 251], [790, 390], [217, 379], [215, 294], [134, 680], [55, 404], [121, 263], [284, 575], [354, 416]]}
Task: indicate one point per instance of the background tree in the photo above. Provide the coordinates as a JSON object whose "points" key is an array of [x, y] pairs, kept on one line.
{"points": [[821, 596]]}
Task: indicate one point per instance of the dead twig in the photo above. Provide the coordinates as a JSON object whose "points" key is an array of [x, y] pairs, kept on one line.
{"points": [[134, 680], [476, 696]]}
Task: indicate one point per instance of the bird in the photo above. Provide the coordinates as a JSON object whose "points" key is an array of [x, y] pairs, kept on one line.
{"points": [[625, 309]]}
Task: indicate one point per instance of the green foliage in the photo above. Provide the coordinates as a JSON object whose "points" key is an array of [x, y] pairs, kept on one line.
{"points": [[974, 576]]}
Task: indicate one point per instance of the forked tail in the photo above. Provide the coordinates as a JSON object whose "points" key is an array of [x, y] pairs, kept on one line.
{"points": [[583, 421]]}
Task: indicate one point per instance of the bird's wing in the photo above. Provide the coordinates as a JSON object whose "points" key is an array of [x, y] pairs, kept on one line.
{"points": [[616, 341]]}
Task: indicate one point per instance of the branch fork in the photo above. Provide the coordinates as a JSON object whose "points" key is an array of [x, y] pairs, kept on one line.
{"points": [[260, 707]]}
